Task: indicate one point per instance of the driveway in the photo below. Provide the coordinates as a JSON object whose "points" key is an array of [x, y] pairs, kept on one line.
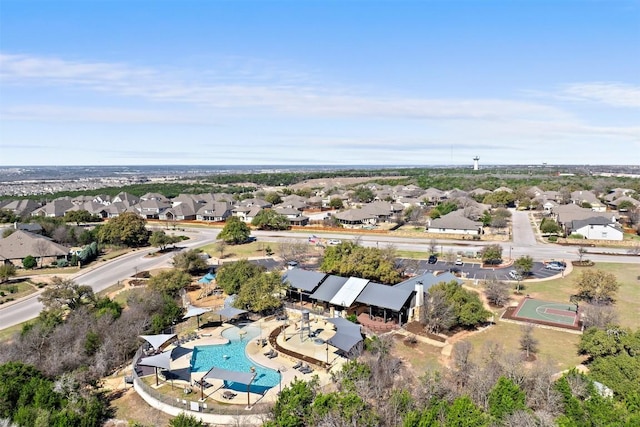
{"points": [[523, 234]]}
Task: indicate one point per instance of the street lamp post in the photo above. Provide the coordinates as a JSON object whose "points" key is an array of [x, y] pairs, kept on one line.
{"points": [[510, 249], [327, 344]]}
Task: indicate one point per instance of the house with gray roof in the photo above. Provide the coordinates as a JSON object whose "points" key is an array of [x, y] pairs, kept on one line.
{"points": [[565, 214], [21, 208], [183, 211], [596, 228], [356, 218], [20, 244], [214, 211], [54, 209], [454, 223], [151, 208]]}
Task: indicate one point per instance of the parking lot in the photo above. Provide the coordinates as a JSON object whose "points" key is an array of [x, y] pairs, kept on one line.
{"points": [[469, 270]]}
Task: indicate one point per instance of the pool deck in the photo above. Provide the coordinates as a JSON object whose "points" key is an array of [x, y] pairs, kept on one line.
{"points": [[289, 339]]}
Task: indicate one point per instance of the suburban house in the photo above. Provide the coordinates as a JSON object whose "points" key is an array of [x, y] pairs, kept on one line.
{"points": [[151, 208], [597, 228], [55, 208], [214, 211], [454, 223], [294, 216], [20, 207], [565, 214], [582, 197], [356, 218], [20, 244], [616, 202], [183, 211]]}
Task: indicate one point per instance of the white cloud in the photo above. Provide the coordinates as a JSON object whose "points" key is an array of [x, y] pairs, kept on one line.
{"points": [[613, 94], [287, 96]]}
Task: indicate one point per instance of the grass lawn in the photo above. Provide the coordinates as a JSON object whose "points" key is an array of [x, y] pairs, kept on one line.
{"points": [[122, 297], [55, 270], [422, 357], [7, 334], [560, 347], [246, 250], [627, 301], [16, 290]]}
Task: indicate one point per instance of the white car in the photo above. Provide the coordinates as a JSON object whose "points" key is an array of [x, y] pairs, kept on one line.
{"points": [[334, 242], [515, 275], [459, 261]]}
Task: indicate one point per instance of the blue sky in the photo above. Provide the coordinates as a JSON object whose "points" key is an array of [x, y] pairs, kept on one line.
{"points": [[319, 82]]}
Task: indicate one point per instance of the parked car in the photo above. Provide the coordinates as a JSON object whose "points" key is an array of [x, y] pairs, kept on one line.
{"points": [[459, 261], [555, 265], [432, 259], [515, 275]]}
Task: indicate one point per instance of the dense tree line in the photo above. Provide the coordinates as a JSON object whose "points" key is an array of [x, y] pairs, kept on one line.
{"points": [[496, 389], [351, 259]]}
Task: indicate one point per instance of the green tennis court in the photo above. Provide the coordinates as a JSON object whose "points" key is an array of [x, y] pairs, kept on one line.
{"points": [[563, 314]]}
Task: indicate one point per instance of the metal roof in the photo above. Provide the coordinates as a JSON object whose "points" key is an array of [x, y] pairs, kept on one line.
{"points": [[305, 280], [347, 335], [328, 288], [385, 296], [428, 280], [349, 292]]}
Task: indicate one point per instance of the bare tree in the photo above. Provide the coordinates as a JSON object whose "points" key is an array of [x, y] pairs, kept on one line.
{"points": [[433, 246], [463, 368], [599, 316], [581, 253], [41, 248], [497, 292], [528, 343], [292, 250], [437, 314], [220, 247]]}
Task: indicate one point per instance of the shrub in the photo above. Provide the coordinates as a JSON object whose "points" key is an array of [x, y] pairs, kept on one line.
{"points": [[553, 238], [576, 236]]}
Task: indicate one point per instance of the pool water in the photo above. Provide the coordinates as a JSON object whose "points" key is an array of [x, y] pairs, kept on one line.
{"points": [[231, 356]]}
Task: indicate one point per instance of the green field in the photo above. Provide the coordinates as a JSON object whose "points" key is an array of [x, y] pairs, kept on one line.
{"points": [[627, 301], [16, 290], [558, 346]]}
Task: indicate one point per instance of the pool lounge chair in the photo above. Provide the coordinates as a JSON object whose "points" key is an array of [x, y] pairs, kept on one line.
{"points": [[306, 369], [272, 355], [298, 365], [228, 394], [269, 353]]}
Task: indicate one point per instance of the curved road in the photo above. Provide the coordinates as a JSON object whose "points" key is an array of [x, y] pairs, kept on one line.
{"points": [[101, 277]]}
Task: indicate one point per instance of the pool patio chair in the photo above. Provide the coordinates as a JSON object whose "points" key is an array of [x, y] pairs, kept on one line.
{"points": [[269, 353], [306, 369], [228, 394], [298, 364], [273, 355]]}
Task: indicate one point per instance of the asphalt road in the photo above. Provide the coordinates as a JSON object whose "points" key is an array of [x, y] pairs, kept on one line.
{"points": [[524, 243]]}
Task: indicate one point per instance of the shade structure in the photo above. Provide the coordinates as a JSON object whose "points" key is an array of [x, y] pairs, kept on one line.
{"points": [[347, 334], [230, 312], [232, 376], [163, 360], [157, 341], [195, 311]]}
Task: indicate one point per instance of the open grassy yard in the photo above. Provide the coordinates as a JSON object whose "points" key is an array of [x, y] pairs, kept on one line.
{"points": [[627, 301], [558, 346], [15, 290], [420, 356]]}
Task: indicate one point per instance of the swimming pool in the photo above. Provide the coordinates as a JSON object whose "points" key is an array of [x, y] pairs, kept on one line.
{"points": [[231, 356]]}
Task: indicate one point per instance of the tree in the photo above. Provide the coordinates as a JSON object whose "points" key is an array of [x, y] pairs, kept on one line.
{"points": [[160, 239], [235, 231], [598, 316], [127, 229], [336, 203], [437, 313], [581, 253], [523, 266], [491, 254], [170, 282], [528, 343], [497, 292], [184, 420], [467, 306], [230, 277], [80, 216], [190, 261], [268, 219], [41, 247], [549, 226], [273, 198], [442, 209], [505, 398], [7, 271], [63, 293], [363, 195], [261, 293], [29, 262], [350, 259], [597, 286], [220, 247], [433, 246], [463, 413]]}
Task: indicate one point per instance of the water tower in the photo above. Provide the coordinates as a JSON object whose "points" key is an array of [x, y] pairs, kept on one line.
{"points": [[476, 159]]}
